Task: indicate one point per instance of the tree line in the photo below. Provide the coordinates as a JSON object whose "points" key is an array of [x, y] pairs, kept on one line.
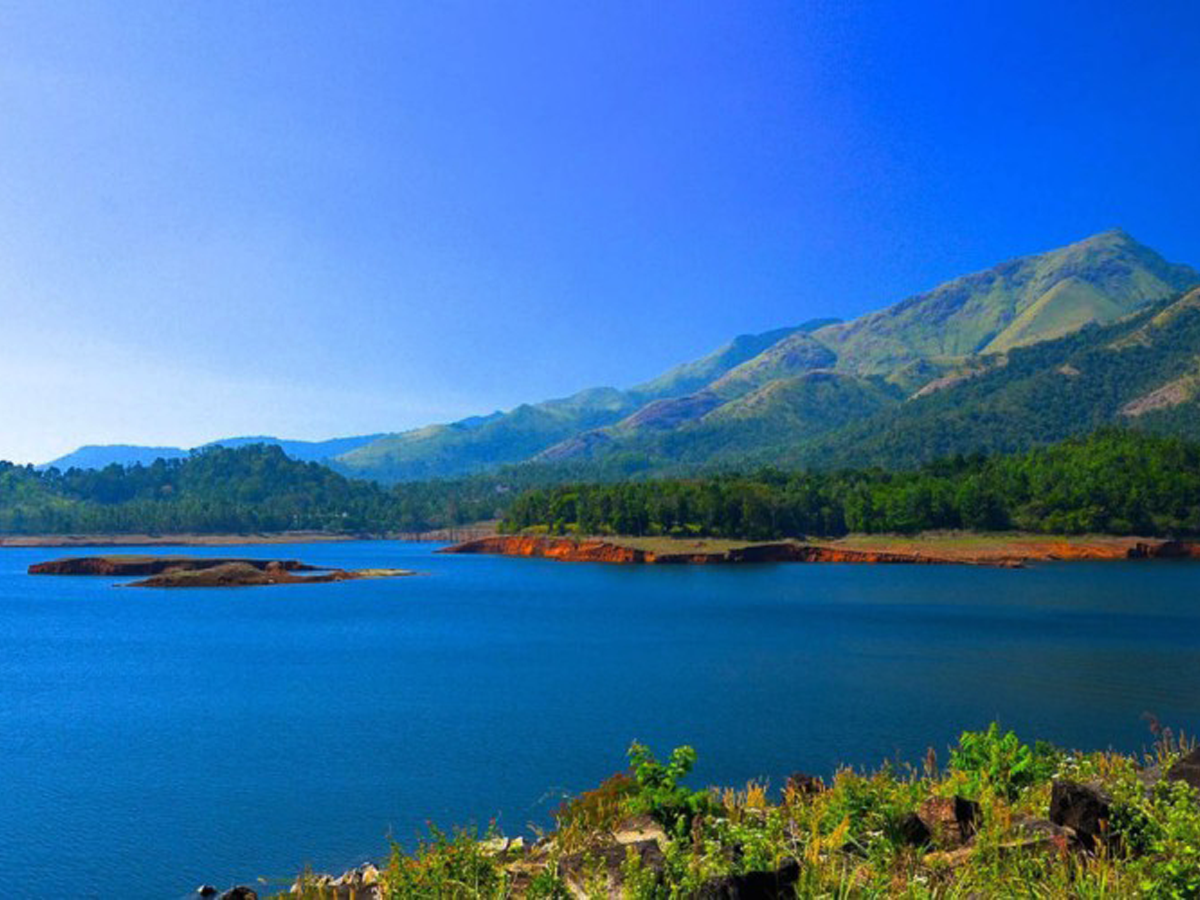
{"points": [[1113, 482], [256, 488]]}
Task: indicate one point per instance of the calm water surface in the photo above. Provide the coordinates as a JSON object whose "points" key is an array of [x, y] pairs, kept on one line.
{"points": [[152, 740]]}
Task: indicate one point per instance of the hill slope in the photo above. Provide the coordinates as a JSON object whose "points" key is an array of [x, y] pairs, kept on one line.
{"points": [[460, 448], [1019, 302], [1142, 372], [919, 347]]}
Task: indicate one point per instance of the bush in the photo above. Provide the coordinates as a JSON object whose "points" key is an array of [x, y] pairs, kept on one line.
{"points": [[999, 762], [659, 792]]}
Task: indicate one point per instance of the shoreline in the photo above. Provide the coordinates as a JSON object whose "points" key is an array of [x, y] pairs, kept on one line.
{"points": [[1064, 819], [999, 551]]}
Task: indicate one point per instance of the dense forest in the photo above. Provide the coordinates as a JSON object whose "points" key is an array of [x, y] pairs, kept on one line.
{"points": [[249, 489], [1115, 482], [1118, 482]]}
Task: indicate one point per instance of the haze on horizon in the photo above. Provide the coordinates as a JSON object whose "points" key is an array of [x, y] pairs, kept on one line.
{"points": [[221, 218]]}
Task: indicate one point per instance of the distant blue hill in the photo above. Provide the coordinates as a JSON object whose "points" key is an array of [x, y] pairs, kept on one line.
{"points": [[97, 456]]}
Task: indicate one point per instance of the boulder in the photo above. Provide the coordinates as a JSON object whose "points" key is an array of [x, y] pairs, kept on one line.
{"points": [[952, 821], [636, 829], [360, 883], [1084, 809], [1034, 834], [1187, 769], [206, 890], [239, 892], [914, 832], [775, 885]]}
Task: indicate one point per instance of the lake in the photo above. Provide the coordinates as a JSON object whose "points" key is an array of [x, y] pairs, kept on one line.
{"points": [[154, 740]]}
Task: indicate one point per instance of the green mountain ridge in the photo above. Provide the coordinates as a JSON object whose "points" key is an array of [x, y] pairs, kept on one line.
{"points": [[441, 451], [1039, 394], [1022, 301], [999, 359], [915, 348]]}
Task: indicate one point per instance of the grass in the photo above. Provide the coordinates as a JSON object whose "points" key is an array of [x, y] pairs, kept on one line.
{"points": [[852, 838]]}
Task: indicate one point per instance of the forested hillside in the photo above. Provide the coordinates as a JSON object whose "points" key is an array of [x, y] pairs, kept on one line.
{"points": [[1139, 372], [256, 488], [1118, 482], [1112, 482]]}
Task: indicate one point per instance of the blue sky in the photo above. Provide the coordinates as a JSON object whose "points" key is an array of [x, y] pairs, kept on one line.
{"points": [[318, 219]]}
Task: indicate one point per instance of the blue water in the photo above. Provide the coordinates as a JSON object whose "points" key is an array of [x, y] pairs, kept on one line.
{"points": [[154, 740]]}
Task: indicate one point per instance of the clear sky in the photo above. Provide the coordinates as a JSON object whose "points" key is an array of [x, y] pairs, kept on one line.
{"points": [[318, 219]]}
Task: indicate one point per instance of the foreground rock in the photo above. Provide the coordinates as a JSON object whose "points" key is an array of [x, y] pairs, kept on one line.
{"points": [[1187, 769], [1083, 808], [776, 885], [361, 883], [190, 571]]}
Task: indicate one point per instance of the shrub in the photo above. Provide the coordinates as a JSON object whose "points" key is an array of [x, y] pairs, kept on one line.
{"points": [[999, 762], [659, 792]]}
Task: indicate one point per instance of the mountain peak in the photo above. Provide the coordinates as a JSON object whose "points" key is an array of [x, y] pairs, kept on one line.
{"points": [[1114, 239], [1111, 235]]}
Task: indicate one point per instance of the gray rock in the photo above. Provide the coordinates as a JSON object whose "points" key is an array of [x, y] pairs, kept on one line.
{"points": [[775, 885], [1187, 769], [915, 832], [1084, 809]]}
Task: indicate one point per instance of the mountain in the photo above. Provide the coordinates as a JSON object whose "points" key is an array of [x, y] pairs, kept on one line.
{"points": [[468, 446], [1142, 372], [790, 393], [692, 376], [1020, 302], [97, 456], [998, 359]]}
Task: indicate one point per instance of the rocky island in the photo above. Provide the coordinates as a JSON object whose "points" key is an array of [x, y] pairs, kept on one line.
{"points": [[192, 571]]}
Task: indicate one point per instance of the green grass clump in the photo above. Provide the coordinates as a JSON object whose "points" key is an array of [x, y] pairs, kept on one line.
{"points": [[851, 839]]}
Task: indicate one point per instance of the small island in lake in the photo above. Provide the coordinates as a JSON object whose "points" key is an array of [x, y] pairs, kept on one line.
{"points": [[191, 571]]}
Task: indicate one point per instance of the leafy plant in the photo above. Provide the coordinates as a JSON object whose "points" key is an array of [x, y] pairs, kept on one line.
{"points": [[998, 761], [660, 793]]}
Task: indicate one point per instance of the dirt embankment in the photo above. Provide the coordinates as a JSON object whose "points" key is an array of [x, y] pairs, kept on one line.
{"points": [[1001, 552], [599, 550], [565, 549]]}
